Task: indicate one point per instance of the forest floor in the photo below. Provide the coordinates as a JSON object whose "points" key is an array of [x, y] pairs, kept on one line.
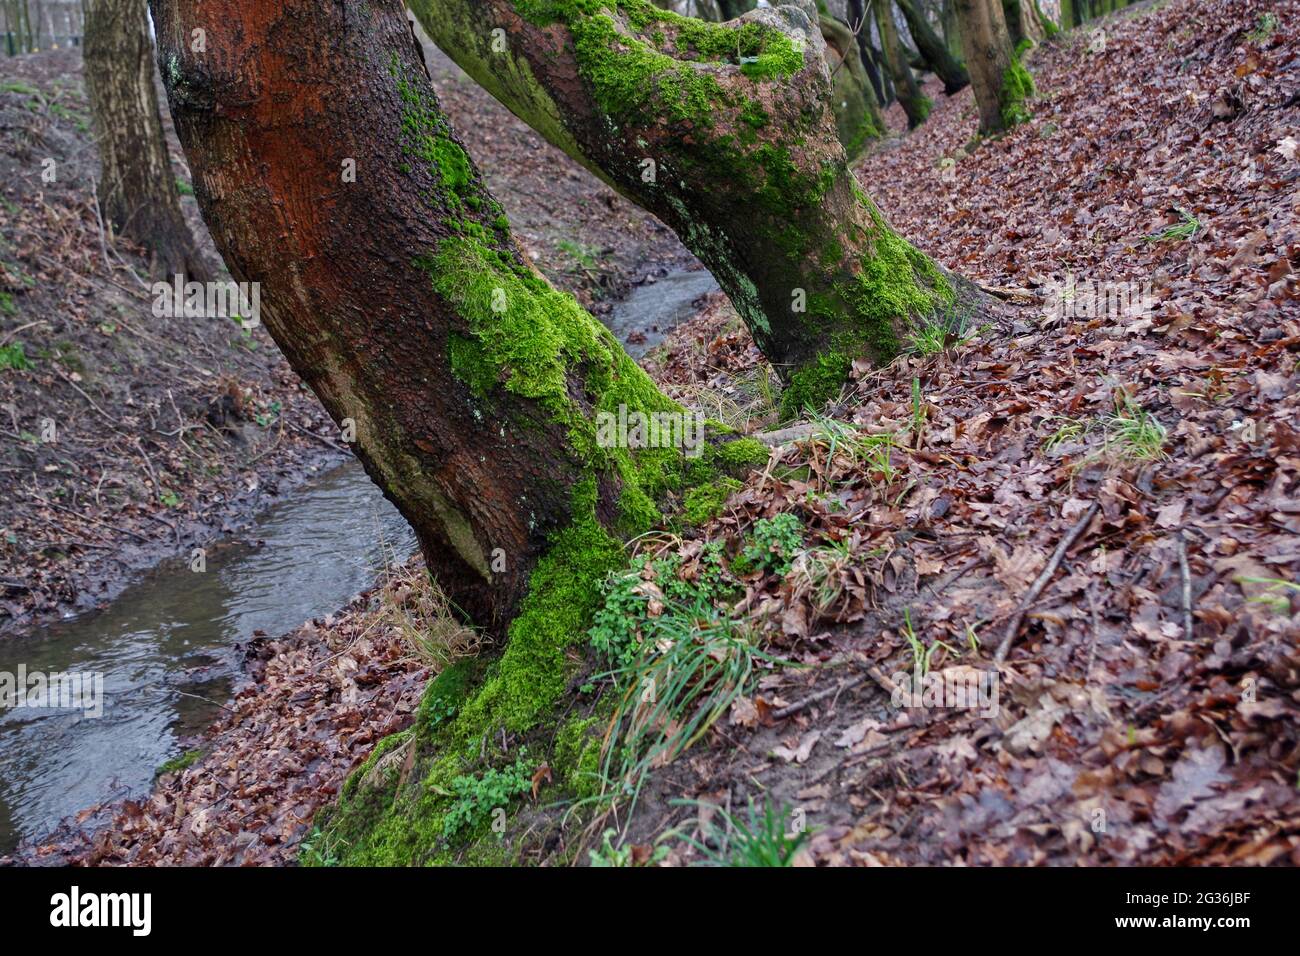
{"points": [[1108, 492]]}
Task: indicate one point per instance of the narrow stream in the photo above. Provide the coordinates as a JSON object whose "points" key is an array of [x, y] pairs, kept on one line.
{"points": [[166, 649], [656, 308]]}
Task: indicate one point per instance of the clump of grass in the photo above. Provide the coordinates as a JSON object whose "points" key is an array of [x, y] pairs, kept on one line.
{"points": [[857, 450], [413, 604], [1277, 594], [1265, 27], [685, 678], [1133, 433], [759, 840], [822, 575], [14, 357], [922, 656], [1186, 229], [1069, 430]]}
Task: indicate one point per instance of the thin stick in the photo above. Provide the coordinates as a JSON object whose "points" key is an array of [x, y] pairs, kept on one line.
{"points": [[1186, 574], [1041, 582]]}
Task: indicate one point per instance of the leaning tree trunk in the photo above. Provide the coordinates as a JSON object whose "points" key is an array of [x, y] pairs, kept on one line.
{"points": [[137, 188], [1000, 83], [725, 132], [915, 103], [933, 50], [858, 18], [401, 298]]}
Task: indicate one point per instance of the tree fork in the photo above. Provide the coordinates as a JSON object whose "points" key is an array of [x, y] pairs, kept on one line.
{"points": [[725, 132]]}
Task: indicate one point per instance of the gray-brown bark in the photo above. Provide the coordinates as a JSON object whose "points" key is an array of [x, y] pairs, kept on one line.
{"points": [[915, 104], [995, 74], [137, 188], [933, 50]]}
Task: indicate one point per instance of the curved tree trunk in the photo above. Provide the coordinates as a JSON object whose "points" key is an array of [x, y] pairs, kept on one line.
{"points": [[137, 188], [915, 103], [401, 298], [1000, 83], [933, 50], [725, 132]]}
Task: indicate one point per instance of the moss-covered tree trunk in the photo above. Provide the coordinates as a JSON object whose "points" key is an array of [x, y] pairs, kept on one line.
{"points": [[726, 133], [915, 103], [391, 282], [1000, 83], [137, 188], [934, 51]]}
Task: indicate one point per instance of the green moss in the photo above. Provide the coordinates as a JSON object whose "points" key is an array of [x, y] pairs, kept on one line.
{"points": [[1017, 88], [576, 756], [706, 502], [641, 60], [814, 385], [177, 764]]}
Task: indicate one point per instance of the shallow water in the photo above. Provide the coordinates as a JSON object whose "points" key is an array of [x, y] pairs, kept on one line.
{"points": [[166, 649], [656, 308]]}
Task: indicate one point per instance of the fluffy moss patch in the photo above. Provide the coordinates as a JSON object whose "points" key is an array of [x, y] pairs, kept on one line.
{"points": [[706, 501], [1017, 88]]}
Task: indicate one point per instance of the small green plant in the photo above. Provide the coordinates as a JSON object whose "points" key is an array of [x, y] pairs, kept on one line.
{"points": [[1133, 433], [7, 305], [610, 855], [317, 849], [169, 498], [1277, 594], [645, 597], [477, 797], [773, 544], [182, 762], [922, 657], [1069, 430], [1265, 27], [13, 86], [584, 256], [759, 840], [183, 187], [1186, 229], [13, 356], [920, 411]]}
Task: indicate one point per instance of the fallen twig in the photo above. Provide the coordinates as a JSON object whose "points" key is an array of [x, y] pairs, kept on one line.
{"points": [[1041, 582]]}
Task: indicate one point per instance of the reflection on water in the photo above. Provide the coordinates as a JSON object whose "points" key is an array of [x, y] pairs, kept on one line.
{"points": [[165, 649]]}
